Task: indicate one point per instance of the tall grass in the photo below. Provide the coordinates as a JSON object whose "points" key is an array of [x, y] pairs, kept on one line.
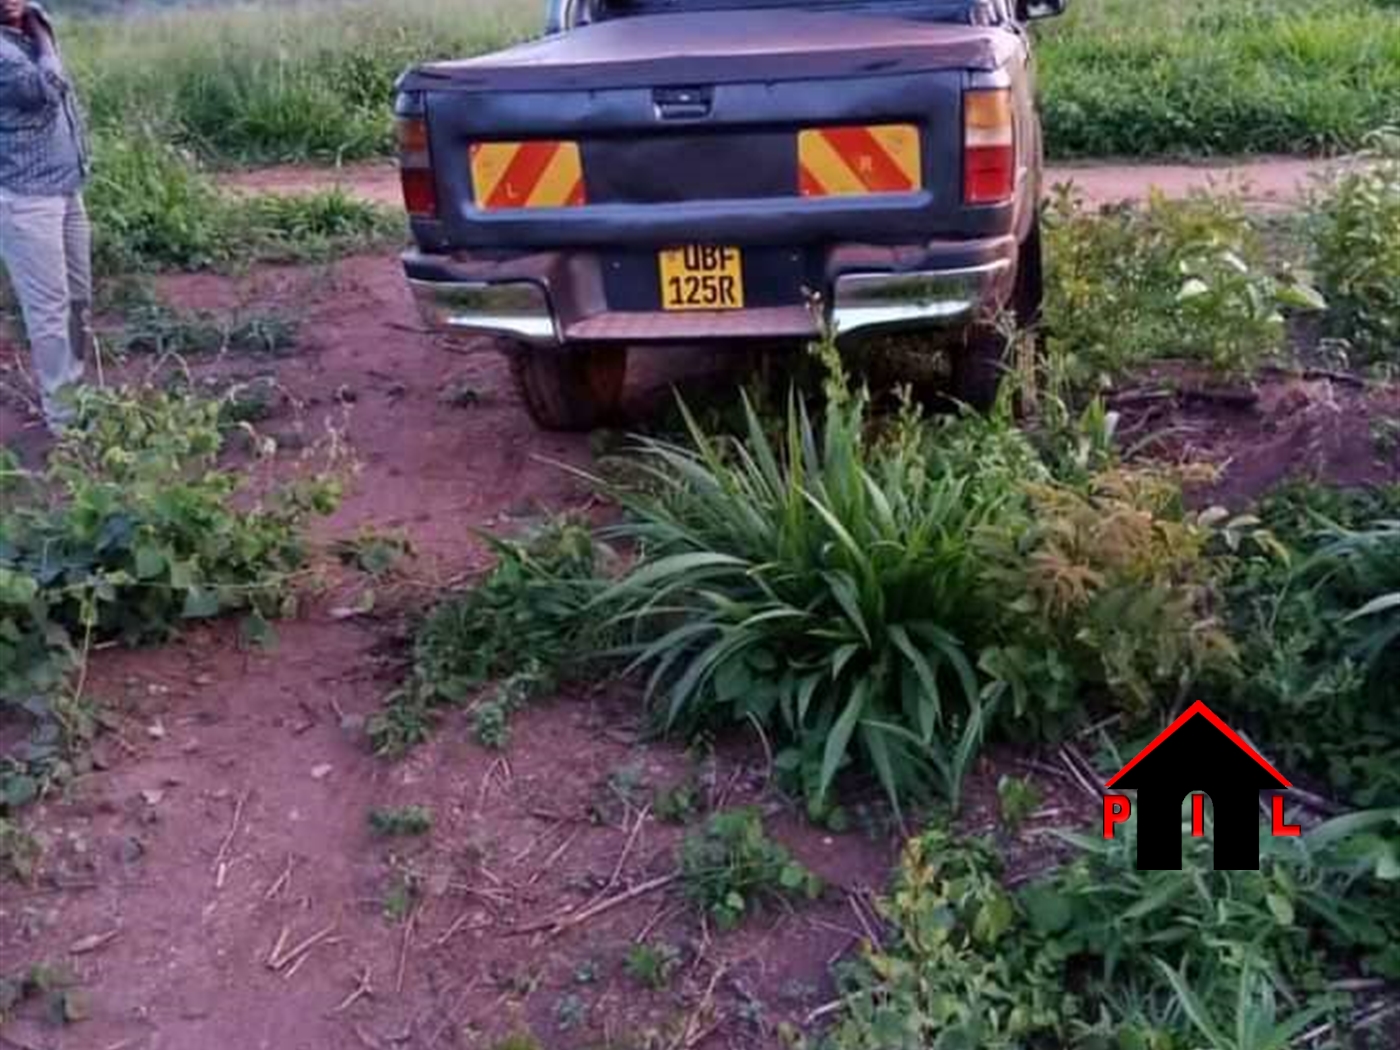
{"points": [[255, 82], [1218, 76], [261, 82]]}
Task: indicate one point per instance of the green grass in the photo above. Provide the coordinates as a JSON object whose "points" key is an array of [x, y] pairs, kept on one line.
{"points": [[1124, 77], [250, 83]]}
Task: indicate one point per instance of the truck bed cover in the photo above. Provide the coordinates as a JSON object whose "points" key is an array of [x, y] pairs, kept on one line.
{"points": [[709, 48]]}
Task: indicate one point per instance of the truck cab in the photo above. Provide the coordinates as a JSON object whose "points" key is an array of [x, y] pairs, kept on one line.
{"points": [[652, 174]]}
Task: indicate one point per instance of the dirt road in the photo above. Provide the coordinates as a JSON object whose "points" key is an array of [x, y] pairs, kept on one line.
{"points": [[1262, 180]]}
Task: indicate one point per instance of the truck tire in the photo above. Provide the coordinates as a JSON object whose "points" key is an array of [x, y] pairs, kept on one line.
{"points": [[578, 388], [979, 364]]}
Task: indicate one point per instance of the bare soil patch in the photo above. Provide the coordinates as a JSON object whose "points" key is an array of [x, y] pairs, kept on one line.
{"points": [[231, 803]]}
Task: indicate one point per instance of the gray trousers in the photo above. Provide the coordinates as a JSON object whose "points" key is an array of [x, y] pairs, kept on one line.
{"points": [[46, 246]]}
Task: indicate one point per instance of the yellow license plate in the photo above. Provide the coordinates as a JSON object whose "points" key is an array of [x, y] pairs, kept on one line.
{"points": [[702, 277]]}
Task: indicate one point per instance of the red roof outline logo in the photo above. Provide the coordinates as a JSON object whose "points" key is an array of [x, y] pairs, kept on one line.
{"points": [[1199, 708]]}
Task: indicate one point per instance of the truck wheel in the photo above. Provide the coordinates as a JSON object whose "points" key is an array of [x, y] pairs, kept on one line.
{"points": [[979, 364], [578, 388]]}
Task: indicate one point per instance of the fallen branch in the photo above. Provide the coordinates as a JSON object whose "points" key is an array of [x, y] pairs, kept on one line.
{"points": [[220, 867]]}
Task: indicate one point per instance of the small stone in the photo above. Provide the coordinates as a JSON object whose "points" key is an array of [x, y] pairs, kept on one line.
{"points": [[321, 772], [131, 850], [152, 796], [156, 730]]}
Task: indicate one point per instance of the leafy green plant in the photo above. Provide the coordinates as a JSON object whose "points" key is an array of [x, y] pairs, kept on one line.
{"points": [[1356, 240], [1185, 279], [652, 965], [1100, 954], [154, 209], [1017, 799], [1108, 586], [729, 864], [133, 529], [401, 820], [1317, 678], [817, 585], [151, 327]]}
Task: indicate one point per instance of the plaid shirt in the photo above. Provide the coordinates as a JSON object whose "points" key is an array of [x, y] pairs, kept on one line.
{"points": [[43, 152]]}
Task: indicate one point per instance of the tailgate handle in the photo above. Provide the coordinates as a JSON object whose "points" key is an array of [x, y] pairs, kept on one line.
{"points": [[683, 103]]}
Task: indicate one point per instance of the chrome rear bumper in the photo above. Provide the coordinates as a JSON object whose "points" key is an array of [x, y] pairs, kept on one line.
{"points": [[860, 302]]}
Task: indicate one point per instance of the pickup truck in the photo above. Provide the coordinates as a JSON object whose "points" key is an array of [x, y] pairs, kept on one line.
{"points": [[655, 173]]}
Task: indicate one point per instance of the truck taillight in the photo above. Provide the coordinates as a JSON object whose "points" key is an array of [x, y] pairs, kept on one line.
{"points": [[416, 168], [989, 147]]}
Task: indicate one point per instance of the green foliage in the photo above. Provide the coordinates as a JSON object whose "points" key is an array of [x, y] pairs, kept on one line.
{"points": [[520, 627], [1185, 279], [1356, 239], [154, 209], [730, 864], [19, 856], [652, 966], [1017, 799], [401, 820], [256, 83], [151, 327], [1317, 628], [818, 585], [373, 551], [1099, 954], [133, 529], [1108, 588], [679, 804], [1120, 78]]}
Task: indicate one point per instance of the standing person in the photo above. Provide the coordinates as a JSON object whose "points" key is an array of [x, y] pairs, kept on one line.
{"points": [[45, 240]]}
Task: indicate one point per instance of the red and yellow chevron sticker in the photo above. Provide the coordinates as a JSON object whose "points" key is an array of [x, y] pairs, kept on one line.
{"points": [[527, 175], [859, 161]]}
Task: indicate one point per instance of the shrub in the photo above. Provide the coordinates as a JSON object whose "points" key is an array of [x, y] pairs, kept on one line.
{"points": [[730, 864], [1184, 279], [1107, 589], [1356, 237], [823, 586], [133, 529]]}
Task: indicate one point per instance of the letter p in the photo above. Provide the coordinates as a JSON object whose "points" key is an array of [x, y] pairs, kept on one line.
{"points": [[1116, 809]]}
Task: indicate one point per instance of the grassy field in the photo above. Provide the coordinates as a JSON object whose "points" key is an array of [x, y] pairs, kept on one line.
{"points": [[254, 83], [1123, 77]]}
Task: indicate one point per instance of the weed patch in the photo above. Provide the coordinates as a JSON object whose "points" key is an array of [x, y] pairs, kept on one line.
{"points": [[1056, 964], [521, 627], [404, 820], [1318, 630], [1217, 76], [154, 209], [729, 865]]}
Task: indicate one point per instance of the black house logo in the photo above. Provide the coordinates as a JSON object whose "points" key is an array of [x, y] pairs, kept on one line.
{"points": [[1198, 753]]}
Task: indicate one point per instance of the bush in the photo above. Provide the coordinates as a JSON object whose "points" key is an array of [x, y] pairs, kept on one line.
{"points": [[1184, 279], [1108, 589], [1356, 237], [132, 529], [823, 586]]}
